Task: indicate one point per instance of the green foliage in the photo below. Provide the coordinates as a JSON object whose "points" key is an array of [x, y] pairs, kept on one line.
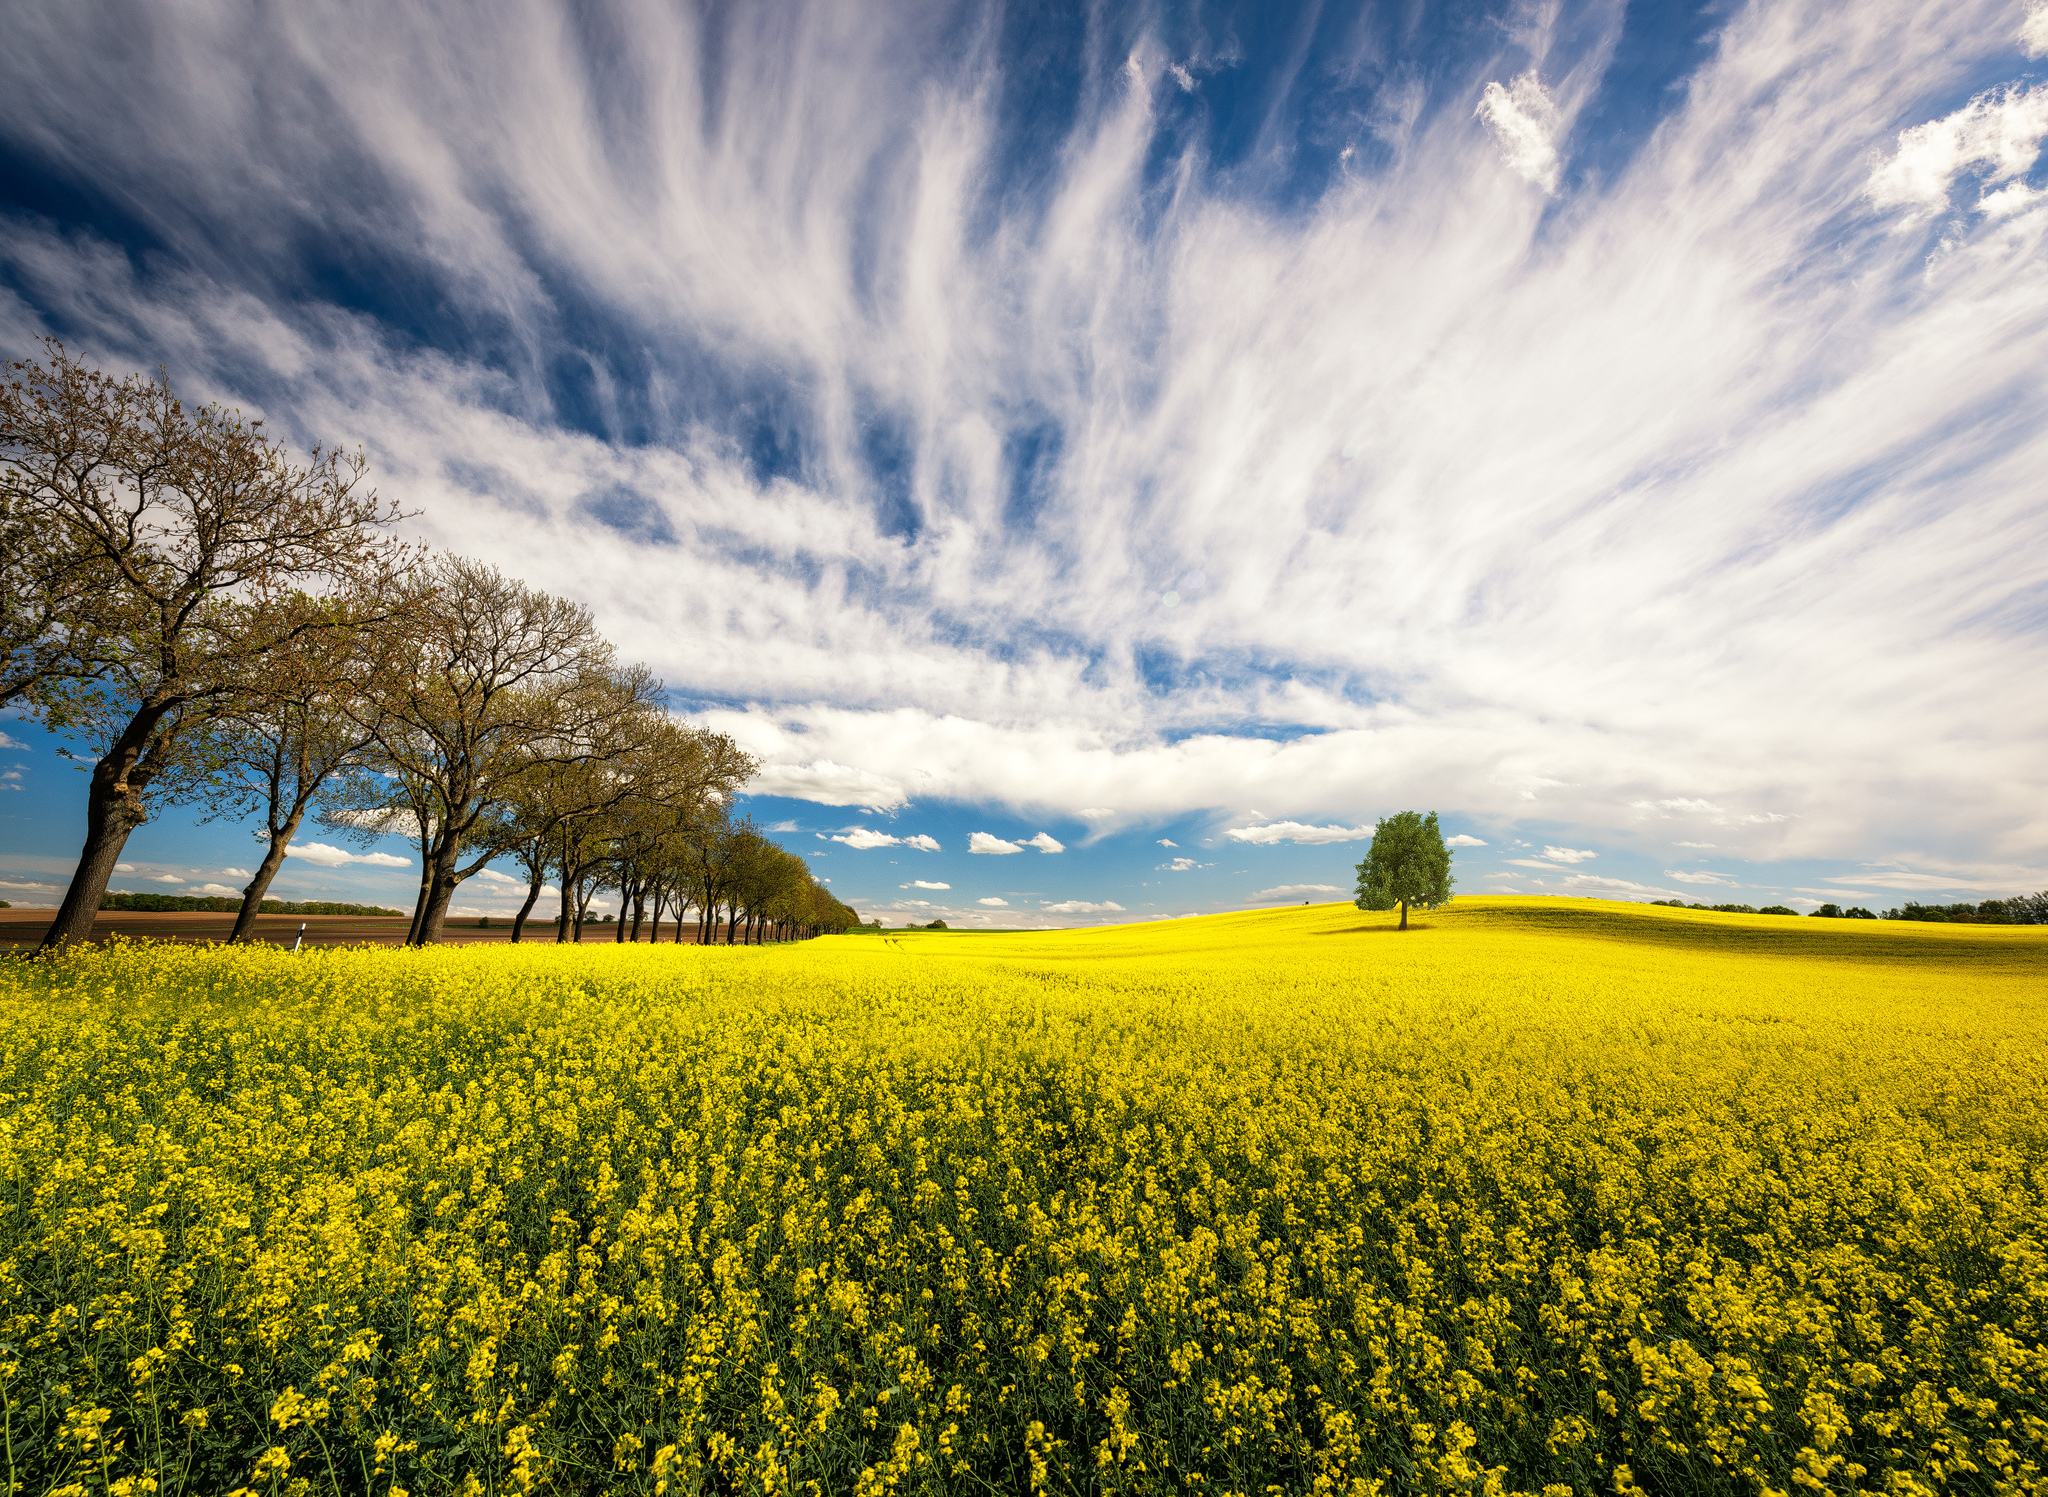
{"points": [[1407, 864], [1776, 909], [2024, 909]]}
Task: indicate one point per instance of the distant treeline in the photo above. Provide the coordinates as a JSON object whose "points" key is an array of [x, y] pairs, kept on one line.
{"points": [[161, 903], [2023, 909]]}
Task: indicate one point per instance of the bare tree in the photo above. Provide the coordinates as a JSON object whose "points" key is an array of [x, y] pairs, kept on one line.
{"points": [[196, 528]]}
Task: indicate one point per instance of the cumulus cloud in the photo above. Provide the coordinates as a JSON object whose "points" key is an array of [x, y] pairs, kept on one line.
{"points": [[11, 743], [1095, 813], [324, 856], [1167, 842], [165, 878], [922, 842], [994, 902], [1181, 865], [866, 838], [923, 884], [32, 888], [1082, 907], [124, 868], [11, 780], [1463, 840], [829, 784], [1569, 854], [1524, 119], [237, 873], [217, 889], [989, 843], [1295, 831], [1045, 842], [1295, 891], [1700, 876], [1997, 135]]}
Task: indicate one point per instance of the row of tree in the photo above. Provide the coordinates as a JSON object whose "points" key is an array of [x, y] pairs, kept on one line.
{"points": [[231, 627]]}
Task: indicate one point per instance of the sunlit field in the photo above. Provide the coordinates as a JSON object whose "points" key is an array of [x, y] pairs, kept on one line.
{"points": [[1541, 1196]]}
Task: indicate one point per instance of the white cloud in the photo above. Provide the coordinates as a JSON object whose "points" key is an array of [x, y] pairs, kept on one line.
{"points": [[1700, 877], [1044, 842], [10, 779], [2014, 197], [923, 884], [1095, 813], [1901, 881], [1569, 854], [1524, 119], [492, 876], [323, 855], [219, 889], [1589, 883], [785, 826], [1295, 891], [1463, 839], [1181, 865], [994, 902], [1702, 845], [11, 743], [1998, 132], [1165, 842], [2034, 31], [237, 873], [124, 868], [1082, 907], [922, 843], [34, 888], [988, 843], [165, 878], [1683, 805], [1295, 831], [829, 784], [1838, 893], [865, 838]]}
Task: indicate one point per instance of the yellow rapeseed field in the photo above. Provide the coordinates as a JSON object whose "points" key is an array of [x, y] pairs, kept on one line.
{"points": [[1542, 1196]]}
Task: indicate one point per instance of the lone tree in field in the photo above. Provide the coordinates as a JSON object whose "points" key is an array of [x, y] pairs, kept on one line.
{"points": [[1406, 864]]}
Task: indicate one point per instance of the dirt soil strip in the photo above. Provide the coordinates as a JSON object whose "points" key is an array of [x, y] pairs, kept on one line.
{"points": [[24, 928]]}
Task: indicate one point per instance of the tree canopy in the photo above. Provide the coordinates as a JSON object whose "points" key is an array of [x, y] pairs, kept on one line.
{"points": [[1407, 864]]}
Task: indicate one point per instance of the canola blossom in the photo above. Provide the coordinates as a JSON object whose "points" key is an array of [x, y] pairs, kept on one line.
{"points": [[1542, 1196]]}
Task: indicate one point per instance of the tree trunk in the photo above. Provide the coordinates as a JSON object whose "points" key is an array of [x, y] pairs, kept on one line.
{"points": [[1404, 914], [532, 899], [252, 897], [112, 812], [568, 880], [419, 906]]}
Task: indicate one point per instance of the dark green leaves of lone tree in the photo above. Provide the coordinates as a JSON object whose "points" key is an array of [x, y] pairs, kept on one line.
{"points": [[1406, 864]]}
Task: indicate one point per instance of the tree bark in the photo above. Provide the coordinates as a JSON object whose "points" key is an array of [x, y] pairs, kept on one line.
{"points": [[112, 812], [532, 899], [273, 859], [1404, 914], [113, 809]]}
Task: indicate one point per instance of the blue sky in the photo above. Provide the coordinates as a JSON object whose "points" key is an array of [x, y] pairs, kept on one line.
{"points": [[1616, 428]]}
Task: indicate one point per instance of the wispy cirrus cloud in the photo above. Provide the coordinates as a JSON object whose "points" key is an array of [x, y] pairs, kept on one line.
{"points": [[934, 418]]}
